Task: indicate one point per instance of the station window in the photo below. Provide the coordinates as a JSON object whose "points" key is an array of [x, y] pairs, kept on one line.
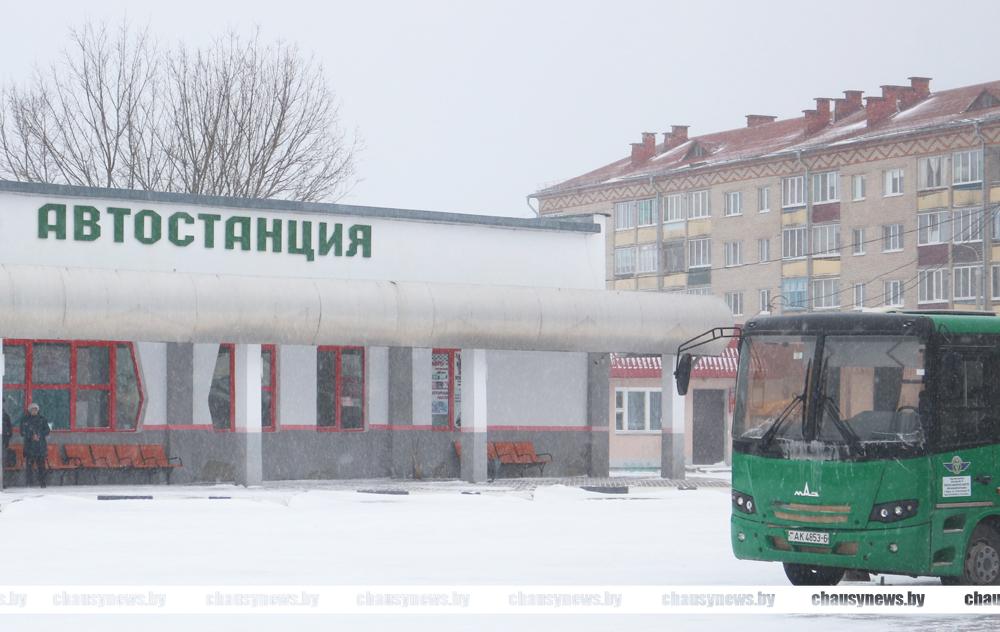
{"points": [[220, 399], [446, 389], [340, 388], [79, 386], [637, 410]]}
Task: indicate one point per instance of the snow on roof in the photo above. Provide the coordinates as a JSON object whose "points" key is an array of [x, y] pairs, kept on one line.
{"points": [[723, 366], [789, 135]]}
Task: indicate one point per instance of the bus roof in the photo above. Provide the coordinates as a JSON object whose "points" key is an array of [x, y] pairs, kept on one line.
{"points": [[887, 322]]}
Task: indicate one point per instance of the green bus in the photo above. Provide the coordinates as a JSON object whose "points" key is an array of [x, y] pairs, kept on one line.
{"points": [[867, 442]]}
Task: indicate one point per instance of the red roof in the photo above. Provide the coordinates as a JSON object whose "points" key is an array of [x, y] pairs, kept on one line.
{"points": [[723, 366], [789, 135]]}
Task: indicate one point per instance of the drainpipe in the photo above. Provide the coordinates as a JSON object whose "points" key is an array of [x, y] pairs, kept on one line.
{"points": [[987, 275]]}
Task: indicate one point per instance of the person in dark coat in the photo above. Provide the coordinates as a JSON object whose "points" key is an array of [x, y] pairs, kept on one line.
{"points": [[34, 430]]}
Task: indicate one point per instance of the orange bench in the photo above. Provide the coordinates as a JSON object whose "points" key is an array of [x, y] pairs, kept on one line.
{"points": [[122, 457], [520, 455]]}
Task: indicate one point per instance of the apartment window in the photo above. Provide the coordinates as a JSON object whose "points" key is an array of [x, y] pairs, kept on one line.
{"points": [[933, 228], [858, 186], [700, 205], [932, 286], [625, 260], [793, 243], [673, 255], [892, 237], [967, 167], [892, 292], [893, 182], [763, 199], [704, 290], [825, 187], [637, 410], [764, 300], [78, 385], [793, 191], [735, 302], [967, 284], [859, 295], [446, 389], [826, 293], [734, 253], [763, 250], [931, 172], [826, 240], [858, 241], [647, 258], [340, 388], [674, 211], [699, 253], [968, 225], [646, 211], [734, 203], [625, 215], [794, 292], [268, 387]]}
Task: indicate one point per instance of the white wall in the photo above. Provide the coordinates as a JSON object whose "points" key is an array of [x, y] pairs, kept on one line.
{"points": [[152, 360], [377, 385], [422, 387], [402, 250], [536, 388], [297, 385]]}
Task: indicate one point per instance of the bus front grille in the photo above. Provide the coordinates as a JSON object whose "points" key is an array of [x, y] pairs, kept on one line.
{"points": [[812, 514]]}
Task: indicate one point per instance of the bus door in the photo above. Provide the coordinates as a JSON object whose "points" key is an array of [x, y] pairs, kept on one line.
{"points": [[963, 462]]}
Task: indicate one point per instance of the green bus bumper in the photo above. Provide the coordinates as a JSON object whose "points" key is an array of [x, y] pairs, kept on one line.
{"points": [[861, 549]]}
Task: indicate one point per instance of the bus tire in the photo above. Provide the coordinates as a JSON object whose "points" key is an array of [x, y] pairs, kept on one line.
{"points": [[806, 575], [982, 557]]}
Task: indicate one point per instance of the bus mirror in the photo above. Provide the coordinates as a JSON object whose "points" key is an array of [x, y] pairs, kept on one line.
{"points": [[683, 373]]}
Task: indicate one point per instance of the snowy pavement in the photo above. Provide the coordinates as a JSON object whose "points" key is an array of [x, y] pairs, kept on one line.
{"points": [[444, 533]]}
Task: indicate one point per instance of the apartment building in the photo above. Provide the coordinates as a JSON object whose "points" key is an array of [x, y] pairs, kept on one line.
{"points": [[860, 202]]}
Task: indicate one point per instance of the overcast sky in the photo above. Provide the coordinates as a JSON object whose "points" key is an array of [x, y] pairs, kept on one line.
{"points": [[471, 106]]}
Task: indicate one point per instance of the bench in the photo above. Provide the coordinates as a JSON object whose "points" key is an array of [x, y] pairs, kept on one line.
{"points": [[121, 458], [518, 455]]}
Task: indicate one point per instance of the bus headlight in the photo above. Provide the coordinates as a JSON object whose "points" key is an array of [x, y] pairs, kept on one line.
{"points": [[744, 503], [896, 510]]}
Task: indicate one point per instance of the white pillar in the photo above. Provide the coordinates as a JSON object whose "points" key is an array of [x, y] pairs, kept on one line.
{"points": [[474, 415], [249, 369], [672, 408]]}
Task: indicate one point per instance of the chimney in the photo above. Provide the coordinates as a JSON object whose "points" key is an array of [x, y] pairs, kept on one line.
{"points": [[679, 133], [753, 120], [641, 152], [819, 118], [921, 85], [851, 103], [878, 110]]}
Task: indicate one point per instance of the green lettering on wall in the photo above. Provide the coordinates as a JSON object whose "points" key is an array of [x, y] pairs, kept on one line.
{"points": [[46, 226], [148, 227], [305, 248], [119, 214], [263, 234], [174, 231], [335, 240], [86, 223], [209, 220], [360, 236], [242, 236]]}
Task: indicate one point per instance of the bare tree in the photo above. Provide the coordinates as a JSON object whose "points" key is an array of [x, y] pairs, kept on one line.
{"points": [[237, 118]]}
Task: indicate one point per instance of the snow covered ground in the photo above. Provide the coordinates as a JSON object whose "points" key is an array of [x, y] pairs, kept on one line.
{"points": [[299, 534]]}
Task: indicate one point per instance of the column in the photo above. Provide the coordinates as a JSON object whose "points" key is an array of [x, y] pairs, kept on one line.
{"points": [[248, 423], [473, 438], [672, 434], [400, 410], [2, 401], [598, 405]]}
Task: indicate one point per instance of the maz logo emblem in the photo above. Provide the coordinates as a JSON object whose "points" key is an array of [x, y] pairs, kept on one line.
{"points": [[805, 492]]}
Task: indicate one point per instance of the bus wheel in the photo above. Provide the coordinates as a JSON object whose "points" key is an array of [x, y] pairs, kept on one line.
{"points": [[805, 575], [982, 558]]}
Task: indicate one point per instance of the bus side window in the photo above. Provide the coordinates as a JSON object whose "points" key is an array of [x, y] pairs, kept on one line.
{"points": [[969, 396]]}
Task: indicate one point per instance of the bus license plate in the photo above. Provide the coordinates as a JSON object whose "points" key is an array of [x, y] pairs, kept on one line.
{"points": [[808, 537]]}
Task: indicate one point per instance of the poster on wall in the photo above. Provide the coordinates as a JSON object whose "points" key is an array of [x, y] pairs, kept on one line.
{"points": [[440, 395]]}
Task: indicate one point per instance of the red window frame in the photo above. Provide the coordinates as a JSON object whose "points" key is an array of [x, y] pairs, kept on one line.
{"points": [[29, 387], [272, 388], [452, 364], [339, 386]]}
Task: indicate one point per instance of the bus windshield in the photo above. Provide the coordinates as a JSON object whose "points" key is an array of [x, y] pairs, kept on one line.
{"points": [[863, 394]]}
